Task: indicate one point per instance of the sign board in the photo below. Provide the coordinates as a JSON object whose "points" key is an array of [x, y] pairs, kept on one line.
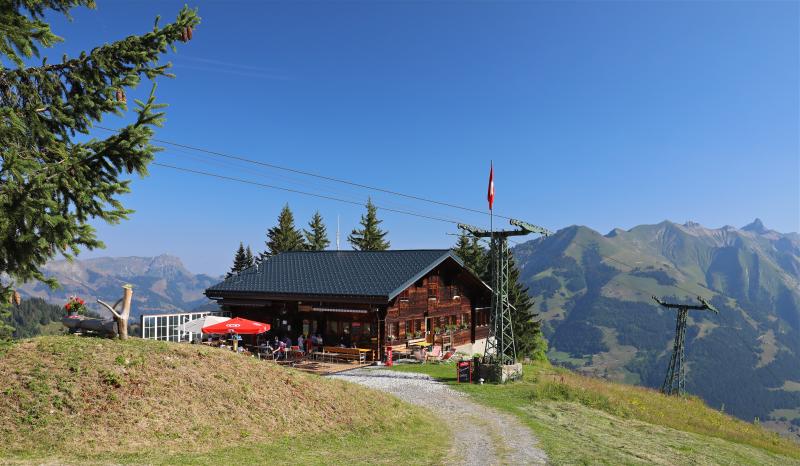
{"points": [[464, 369]]}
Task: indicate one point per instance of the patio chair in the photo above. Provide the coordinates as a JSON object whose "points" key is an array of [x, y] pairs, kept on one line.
{"points": [[297, 353], [435, 354]]}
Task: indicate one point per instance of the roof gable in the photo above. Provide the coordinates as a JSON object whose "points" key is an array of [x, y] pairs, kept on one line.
{"points": [[336, 273]]}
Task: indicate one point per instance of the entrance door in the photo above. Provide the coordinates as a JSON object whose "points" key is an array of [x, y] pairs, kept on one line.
{"points": [[429, 330]]}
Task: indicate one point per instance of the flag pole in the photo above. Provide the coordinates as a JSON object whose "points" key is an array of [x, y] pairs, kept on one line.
{"points": [[492, 251]]}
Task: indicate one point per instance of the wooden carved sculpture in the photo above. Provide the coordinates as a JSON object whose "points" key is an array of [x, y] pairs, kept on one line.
{"points": [[121, 318]]}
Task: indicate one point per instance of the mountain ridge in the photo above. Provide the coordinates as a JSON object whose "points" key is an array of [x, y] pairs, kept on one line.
{"points": [[161, 283], [594, 291]]}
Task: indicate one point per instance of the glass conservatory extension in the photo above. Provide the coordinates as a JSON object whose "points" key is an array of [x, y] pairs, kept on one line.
{"points": [[165, 326]]}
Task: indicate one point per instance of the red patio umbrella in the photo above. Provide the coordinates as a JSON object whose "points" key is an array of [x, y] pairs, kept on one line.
{"points": [[238, 325]]}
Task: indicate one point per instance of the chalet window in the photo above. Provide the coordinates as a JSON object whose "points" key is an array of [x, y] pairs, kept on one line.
{"points": [[481, 318], [333, 327], [409, 328], [433, 287], [402, 300], [417, 326], [393, 330]]}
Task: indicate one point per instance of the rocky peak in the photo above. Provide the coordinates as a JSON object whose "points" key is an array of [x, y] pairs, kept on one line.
{"points": [[756, 227]]}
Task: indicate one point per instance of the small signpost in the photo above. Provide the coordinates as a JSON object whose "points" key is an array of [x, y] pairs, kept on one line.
{"points": [[464, 369]]}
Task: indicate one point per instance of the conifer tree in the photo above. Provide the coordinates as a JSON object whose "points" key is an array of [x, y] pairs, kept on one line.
{"points": [[284, 236], [6, 330], [475, 257], [53, 179], [528, 337], [248, 257], [239, 261], [317, 237], [370, 237]]}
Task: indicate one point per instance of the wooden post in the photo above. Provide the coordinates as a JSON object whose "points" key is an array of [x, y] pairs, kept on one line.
{"points": [[121, 318]]}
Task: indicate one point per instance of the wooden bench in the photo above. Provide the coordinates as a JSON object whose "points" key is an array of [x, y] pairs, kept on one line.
{"points": [[345, 354]]}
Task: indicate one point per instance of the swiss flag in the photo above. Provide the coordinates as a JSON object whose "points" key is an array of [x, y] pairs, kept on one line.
{"points": [[490, 195]]}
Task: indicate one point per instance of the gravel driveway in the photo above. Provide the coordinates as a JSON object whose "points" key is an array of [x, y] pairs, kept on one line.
{"points": [[482, 435]]}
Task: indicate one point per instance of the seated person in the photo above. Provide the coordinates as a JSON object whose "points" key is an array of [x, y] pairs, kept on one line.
{"points": [[301, 342], [281, 350]]}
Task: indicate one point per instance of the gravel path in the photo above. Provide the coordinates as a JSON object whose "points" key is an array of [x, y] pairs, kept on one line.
{"points": [[482, 435]]}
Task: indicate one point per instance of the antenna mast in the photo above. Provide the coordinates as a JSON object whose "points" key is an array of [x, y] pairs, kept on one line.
{"points": [[337, 232], [675, 381]]}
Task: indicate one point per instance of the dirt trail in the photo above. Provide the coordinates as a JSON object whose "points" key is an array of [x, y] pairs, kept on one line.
{"points": [[481, 435]]}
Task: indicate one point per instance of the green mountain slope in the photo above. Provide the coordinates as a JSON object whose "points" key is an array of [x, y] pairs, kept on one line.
{"points": [[594, 292]]}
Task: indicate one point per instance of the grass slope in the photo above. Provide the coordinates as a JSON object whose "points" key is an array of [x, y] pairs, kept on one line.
{"points": [[68, 399], [582, 420]]}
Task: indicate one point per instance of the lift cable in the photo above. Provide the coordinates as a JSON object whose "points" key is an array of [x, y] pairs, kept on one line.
{"points": [[315, 175]]}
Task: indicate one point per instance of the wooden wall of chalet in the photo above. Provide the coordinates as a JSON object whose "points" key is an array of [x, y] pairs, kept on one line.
{"points": [[445, 302]]}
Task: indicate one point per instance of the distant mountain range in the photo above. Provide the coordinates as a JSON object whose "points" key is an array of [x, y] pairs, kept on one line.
{"points": [[161, 284], [594, 293]]}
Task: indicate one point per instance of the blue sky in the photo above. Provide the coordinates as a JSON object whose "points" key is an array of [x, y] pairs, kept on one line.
{"points": [[605, 114]]}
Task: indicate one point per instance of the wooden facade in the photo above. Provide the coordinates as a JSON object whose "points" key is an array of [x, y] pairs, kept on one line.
{"points": [[447, 305], [442, 307]]}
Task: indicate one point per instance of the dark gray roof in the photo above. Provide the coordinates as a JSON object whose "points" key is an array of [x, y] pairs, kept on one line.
{"points": [[339, 273]]}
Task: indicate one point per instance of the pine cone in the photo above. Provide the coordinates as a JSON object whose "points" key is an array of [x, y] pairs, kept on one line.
{"points": [[121, 96], [184, 35], [189, 32], [17, 298]]}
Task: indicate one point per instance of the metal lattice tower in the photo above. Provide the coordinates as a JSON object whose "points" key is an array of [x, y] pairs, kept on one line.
{"points": [[500, 348], [675, 381]]}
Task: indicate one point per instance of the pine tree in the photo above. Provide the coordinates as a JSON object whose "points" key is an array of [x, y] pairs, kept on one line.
{"points": [[370, 237], [6, 330], [284, 236], [317, 237], [528, 337], [53, 179], [475, 257], [239, 261], [248, 257]]}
